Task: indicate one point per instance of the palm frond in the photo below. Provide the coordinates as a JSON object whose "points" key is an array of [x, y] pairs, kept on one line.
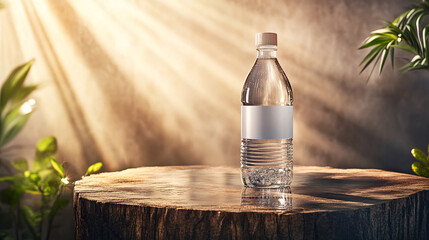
{"points": [[404, 33]]}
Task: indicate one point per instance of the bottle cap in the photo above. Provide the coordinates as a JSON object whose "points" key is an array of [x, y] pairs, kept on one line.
{"points": [[266, 38]]}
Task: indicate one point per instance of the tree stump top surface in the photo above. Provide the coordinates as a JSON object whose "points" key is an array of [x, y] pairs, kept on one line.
{"points": [[206, 188]]}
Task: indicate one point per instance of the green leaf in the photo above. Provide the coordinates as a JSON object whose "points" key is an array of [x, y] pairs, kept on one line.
{"points": [[14, 82], [14, 130], [420, 169], [376, 40], [410, 14], [414, 40], [12, 94], [46, 149], [12, 124], [383, 59], [405, 48], [399, 19], [93, 168], [407, 67], [416, 58], [48, 173], [373, 67], [419, 155], [51, 182], [29, 215], [7, 179], [57, 167], [425, 41], [394, 28], [23, 93], [381, 31], [11, 117], [414, 64], [35, 178], [31, 219], [374, 56], [47, 145], [411, 38], [20, 164]]}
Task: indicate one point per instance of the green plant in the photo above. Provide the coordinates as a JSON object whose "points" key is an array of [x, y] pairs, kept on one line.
{"points": [[46, 180], [15, 107], [31, 196], [421, 167], [404, 33]]}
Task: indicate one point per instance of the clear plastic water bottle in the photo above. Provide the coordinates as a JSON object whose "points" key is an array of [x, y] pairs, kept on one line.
{"points": [[266, 120]]}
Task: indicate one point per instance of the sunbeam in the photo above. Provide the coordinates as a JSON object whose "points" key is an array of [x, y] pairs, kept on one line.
{"points": [[135, 83]]}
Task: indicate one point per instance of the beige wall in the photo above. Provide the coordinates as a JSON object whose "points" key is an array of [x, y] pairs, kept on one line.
{"points": [[138, 83]]}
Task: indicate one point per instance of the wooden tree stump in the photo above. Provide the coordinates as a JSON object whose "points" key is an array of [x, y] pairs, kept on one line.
{"points": [[200, 202]]}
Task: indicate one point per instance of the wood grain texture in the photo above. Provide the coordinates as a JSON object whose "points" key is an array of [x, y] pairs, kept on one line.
{"points": [[200, 202]]}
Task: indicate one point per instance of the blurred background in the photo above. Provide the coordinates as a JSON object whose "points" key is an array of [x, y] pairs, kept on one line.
{"points": [[141, 83]]}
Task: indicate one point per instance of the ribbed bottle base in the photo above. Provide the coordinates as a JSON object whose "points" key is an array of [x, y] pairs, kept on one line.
{"points": [[266, 163]]}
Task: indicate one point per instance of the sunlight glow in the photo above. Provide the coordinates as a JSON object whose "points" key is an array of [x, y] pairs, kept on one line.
{"points": [[159, 82], [65, 180], [27, 107]]}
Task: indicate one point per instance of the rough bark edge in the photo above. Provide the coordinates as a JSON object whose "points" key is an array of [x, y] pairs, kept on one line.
{"points": [[404, 218]]}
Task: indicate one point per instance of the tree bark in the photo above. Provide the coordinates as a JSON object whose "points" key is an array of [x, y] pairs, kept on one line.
{"points": [[200, 202]]}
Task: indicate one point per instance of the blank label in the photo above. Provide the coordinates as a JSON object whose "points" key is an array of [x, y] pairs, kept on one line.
{"points": [[267, 122]]}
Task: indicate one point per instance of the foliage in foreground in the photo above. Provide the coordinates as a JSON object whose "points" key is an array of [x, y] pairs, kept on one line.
{"points": [[15, 109], [421, 167], [404, 33], [30, 197], [43, 183]]}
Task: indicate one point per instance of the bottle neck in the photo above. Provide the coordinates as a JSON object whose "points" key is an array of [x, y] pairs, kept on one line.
{"points": [[267, 51]]}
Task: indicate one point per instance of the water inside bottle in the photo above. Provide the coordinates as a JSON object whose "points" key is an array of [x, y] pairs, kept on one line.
{"points": [[266, 162]]}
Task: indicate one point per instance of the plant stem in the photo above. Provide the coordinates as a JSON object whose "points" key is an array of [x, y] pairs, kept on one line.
{"points": [[32, 230], [17, 220], [42, 213], [51, 218]]}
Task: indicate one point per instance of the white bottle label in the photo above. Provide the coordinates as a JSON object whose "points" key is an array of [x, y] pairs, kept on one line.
{"points": [[267, 122]]}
